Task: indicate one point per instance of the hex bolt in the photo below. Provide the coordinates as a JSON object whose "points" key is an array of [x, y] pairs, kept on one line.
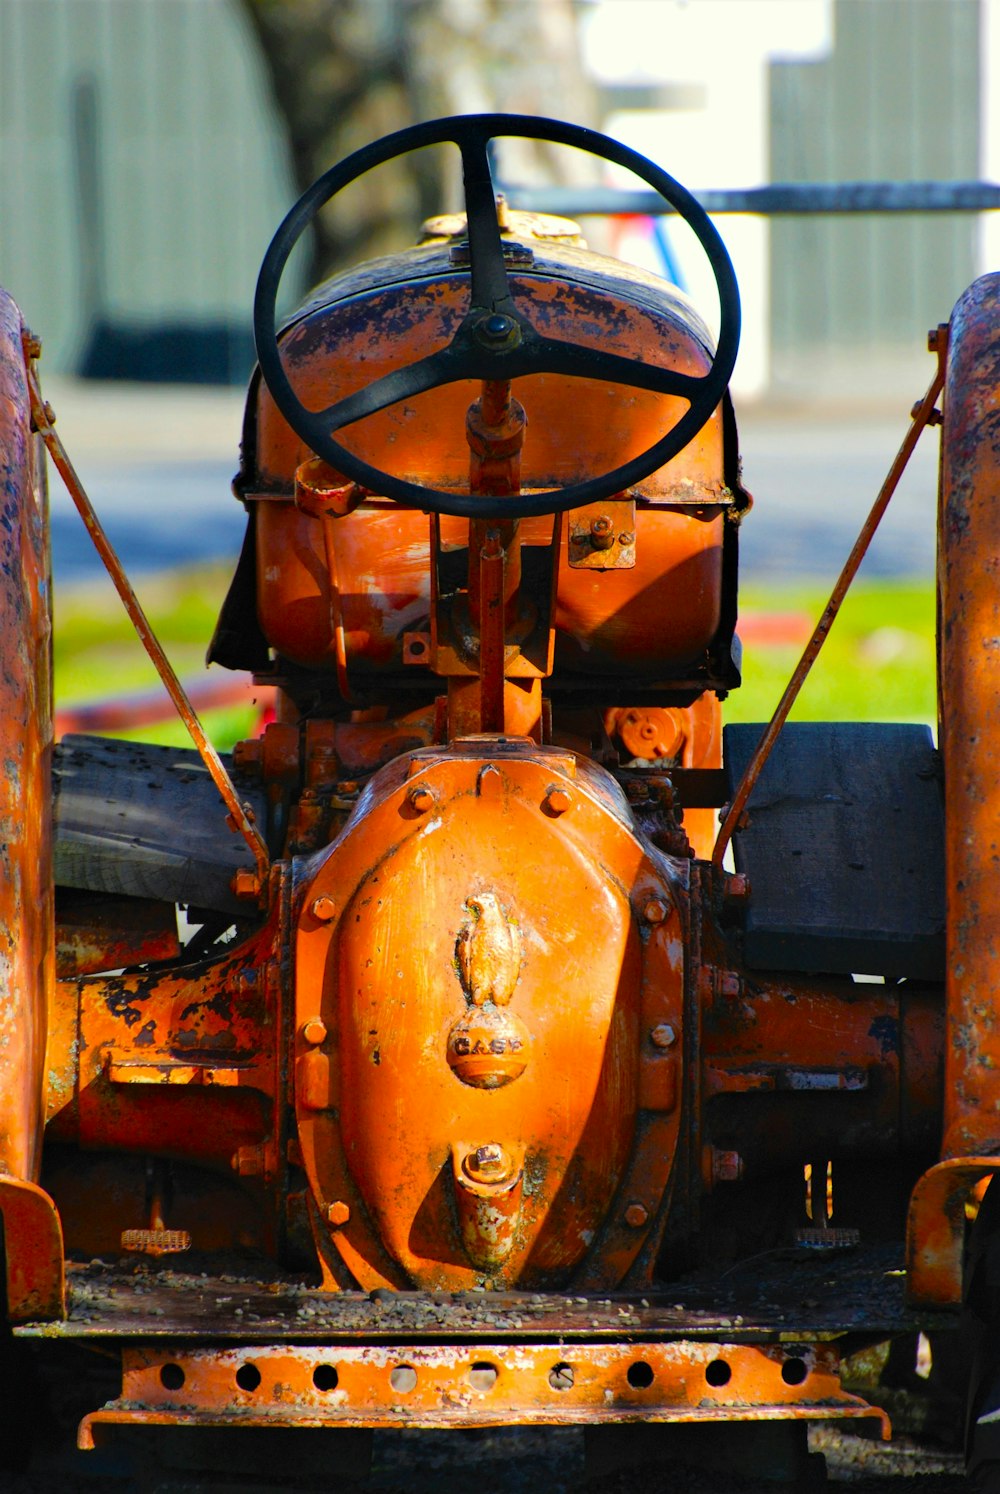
{"points": [[314, 1031], [730, 984], [636, 1215], [557, 800], [338, 1213], [663, 1035], [488, 1163], [602, 532], [245, 882], [736, 888], [248, 1161], [421, 799], [654, 910], [727, 1167], [324, 908]]}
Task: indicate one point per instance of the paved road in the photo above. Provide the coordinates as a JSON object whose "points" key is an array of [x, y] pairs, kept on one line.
{"points": [[158, 463]]}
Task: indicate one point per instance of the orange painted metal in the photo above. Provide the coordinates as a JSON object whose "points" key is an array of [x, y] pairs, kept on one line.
{"points": [[936, 1229], [444, 844], [26, 920], [657, 616], [969, 685], [183, 1062], [970, 720], [689, 736], [490, 1384], [32, 1240]]}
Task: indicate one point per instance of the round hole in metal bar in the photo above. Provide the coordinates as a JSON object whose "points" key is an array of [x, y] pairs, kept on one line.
{"points": [[483, 1375], [640, 1375], [248, 1376], [172, 1377], [561, 1377], [794, 1371], [325, 1377], [718, 1373], [403, 1378]]}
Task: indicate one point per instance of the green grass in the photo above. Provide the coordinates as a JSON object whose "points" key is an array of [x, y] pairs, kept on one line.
{"points": [[877, 664], [96, 654]]}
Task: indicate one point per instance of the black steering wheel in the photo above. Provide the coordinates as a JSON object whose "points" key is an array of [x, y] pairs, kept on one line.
{"points": [[494, 340]]}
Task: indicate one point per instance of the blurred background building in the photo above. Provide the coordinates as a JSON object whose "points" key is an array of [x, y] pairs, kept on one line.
{"points": [[148, 149]]}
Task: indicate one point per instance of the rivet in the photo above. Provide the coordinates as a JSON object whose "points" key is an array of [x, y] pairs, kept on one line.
{"points": [[324, 908], [557, 801], [314, 1031], [663, 1035], [636, 1215], [338, 1213], [421, 799], [654, 911]]}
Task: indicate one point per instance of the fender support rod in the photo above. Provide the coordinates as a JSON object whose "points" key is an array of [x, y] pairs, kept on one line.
{"points": [[43, 419], [923, 414]]}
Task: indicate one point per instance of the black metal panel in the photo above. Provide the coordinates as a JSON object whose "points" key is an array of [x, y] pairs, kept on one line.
{"points": [[844, 848]]}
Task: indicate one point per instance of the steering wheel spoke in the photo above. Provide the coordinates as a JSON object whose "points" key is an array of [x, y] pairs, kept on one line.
{"points": [[579, 361], [495, 340], [399, 384], [490, 288]]}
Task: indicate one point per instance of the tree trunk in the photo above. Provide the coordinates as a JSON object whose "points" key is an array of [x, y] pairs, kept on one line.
{"points": [[345, 72]]}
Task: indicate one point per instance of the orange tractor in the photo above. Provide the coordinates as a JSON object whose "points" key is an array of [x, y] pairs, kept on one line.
{"points": [[497, 1083]]}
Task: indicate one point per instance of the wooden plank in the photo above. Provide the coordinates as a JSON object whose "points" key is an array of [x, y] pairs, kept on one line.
{"points": [[146, 821], [844, 848]]}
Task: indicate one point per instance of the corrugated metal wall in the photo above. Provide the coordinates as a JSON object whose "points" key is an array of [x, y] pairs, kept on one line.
{"points": [[898, 98], [166, 103]]}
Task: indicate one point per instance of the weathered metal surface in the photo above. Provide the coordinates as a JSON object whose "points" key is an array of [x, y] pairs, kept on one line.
{"points": [[611, 620], [936, 1229], [789, 1296], [32, 1241], [455, 859], [970, 718], [422, 1385], [181, 1062], [96, 932], [34, 1283]]}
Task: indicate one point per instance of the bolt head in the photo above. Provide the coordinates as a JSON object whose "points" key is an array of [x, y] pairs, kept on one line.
{"points": [[338, 1213], [324, 908], [487, 1164], [314, 1031], [737, 888], [557, 800], [245, 883], [654, 910], [496, 329], [727, 1167], [663, 1035], [636, 1215], [421, 799]]}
